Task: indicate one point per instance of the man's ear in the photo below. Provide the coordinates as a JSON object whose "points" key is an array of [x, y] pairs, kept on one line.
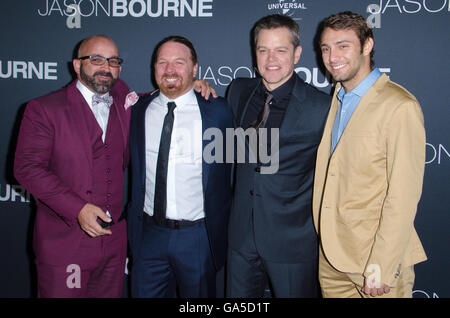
{"points": [[368, 46], [76, 65], [195, 70], [297, 54]]}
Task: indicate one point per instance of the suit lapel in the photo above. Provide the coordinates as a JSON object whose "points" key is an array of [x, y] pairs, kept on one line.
{"points": [[120, 111], [76, 103], [293, 111], [360, 110], [206, 112], [324, 150], [140, 107], [322, 159], [245, 98]]}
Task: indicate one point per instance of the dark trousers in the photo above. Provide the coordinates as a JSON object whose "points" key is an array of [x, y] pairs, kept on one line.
{"points": [[249, 274], [173, 262]]}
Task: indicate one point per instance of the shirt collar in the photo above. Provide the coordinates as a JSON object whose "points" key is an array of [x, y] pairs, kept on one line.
{"points": [[284, 90], [187, 98], [363, 86]]}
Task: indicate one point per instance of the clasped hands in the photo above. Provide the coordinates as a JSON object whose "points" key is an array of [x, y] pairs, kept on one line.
{"points": [[374, 288]]}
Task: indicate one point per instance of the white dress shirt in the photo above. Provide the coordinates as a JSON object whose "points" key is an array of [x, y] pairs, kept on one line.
{"points": [[184, 173], [101, 116]]}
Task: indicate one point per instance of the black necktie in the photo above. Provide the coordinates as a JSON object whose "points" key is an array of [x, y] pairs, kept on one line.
{"points": [[262, 118], [160, 201]]}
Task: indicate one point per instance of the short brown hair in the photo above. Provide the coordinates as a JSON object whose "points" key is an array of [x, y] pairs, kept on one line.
{"points": [[181, 40], [275, 21], [353, 21]]}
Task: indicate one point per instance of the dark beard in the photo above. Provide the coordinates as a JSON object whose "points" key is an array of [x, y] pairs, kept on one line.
{"points": [[100, 87]]}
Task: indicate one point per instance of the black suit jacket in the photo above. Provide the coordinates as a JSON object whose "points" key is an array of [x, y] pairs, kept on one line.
{"points": [[280, 203], [215, 113]]}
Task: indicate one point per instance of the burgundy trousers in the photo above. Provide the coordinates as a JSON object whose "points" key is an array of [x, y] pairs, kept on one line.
{"points": [[96, 270]]}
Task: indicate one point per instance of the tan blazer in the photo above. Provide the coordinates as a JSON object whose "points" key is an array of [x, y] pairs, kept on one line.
{"points": [[366, 194]]}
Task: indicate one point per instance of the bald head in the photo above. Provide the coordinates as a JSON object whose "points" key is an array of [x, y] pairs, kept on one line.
{"points": [[92, 40]]}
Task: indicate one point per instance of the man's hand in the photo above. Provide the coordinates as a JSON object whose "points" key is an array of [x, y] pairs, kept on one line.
{"points": [[203, 87], [88, 220], [374, 288]]}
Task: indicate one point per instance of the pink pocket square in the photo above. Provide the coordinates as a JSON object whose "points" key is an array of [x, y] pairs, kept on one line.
{"points": [[131, 99]]}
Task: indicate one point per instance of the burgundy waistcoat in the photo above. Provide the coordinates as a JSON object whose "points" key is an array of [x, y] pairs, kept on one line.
{"points": [[108, 175]]}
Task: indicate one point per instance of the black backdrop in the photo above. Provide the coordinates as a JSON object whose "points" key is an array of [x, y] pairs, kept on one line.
{"points": [[38, 38]]}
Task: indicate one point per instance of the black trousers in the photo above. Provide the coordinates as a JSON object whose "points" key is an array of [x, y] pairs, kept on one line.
{"points": [[249, 275]]}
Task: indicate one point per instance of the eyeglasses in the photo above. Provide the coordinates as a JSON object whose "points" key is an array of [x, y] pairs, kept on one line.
{"points": [[100, 60]]}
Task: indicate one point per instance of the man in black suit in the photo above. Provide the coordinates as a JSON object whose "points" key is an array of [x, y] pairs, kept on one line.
{"points": [[271, 232]]}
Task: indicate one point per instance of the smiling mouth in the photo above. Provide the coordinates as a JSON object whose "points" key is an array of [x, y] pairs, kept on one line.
{"points": [[104, 76], [170, 78], [337, 67]]}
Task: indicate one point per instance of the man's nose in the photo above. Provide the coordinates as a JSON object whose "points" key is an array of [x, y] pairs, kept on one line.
{"points": [[333, 55], [170, 68], [271, 55]]}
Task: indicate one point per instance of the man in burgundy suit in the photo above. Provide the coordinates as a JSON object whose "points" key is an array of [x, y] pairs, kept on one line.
{"points": [[71, 155]]}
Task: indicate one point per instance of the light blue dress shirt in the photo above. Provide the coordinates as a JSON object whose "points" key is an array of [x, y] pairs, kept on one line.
{"points": [[348, 103]]}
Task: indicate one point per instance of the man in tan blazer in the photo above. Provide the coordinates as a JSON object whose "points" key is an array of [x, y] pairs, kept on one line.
{"points": [[369, 171]]}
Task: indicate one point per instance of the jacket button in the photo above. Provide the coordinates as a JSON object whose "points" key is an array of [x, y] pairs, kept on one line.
{"points": [[251, 192], [88, 192], [258, 169]]}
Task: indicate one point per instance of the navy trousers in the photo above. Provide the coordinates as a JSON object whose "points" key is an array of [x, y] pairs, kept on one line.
{"points": [[173, 262]]}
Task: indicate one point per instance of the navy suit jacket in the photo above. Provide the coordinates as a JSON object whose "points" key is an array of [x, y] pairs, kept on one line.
{"points": [[215, 113], [279, 205]]}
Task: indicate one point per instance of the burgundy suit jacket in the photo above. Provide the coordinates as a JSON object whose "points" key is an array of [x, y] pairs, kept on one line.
{"points": [[53, 161]]}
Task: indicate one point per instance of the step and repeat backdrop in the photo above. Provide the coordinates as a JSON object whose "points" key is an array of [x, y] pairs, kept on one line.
{"points": [[38, 38]]}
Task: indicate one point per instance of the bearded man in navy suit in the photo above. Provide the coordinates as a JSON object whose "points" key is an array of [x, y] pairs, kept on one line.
{"points": [[178, 214]]}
